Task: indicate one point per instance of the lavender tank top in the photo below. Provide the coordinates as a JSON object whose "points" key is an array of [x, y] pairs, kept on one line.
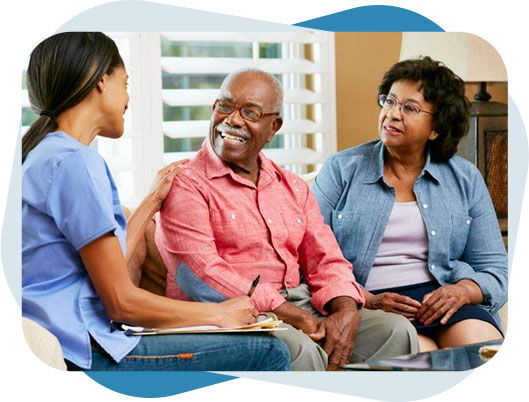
{"points": [[402, 257]]}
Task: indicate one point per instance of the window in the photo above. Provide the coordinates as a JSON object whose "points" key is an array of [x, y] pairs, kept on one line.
{"points": [[175, 78]]}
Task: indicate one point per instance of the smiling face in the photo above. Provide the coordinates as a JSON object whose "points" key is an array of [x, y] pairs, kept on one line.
{"points": [[115, 99], [406, 134], [238, 141]]}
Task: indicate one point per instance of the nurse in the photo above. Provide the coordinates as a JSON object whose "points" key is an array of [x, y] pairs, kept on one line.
{"points": [[76, 242]]}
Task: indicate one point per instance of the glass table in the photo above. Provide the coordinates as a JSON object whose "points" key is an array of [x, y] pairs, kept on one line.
{"points": [[452, 359]]}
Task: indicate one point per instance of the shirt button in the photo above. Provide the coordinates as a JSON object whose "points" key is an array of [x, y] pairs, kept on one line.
{"points": [[468, 221], [298, 220], [433, 233], [433, 266], [269, 220], [232, 216], [340, 216], [425, 206]]}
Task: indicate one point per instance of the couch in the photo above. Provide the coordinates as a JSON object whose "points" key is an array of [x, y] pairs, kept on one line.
{"points": [[148, 271]]}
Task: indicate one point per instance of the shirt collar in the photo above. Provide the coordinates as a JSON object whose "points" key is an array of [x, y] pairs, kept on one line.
{"points": [[215, 167], [375, 170]]}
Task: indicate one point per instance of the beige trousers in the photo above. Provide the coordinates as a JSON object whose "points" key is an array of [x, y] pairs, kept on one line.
{"points": [[380, 335]]}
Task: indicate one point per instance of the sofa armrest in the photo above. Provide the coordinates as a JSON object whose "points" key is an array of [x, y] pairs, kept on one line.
{"points": [[43, 344]]}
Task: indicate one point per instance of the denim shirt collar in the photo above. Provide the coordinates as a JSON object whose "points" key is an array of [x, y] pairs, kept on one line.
{"points": [[375, 170]]}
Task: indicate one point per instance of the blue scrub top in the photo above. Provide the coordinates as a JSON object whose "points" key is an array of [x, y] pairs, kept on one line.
{"points": [[69, 199]]}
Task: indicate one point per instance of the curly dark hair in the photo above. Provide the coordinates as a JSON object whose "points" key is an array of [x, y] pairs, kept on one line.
{"points": [[446, 91]]}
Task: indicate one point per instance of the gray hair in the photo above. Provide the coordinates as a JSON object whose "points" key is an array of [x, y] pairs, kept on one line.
{"points": [[274, 82]]}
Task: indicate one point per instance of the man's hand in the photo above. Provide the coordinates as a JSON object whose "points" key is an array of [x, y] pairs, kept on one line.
{"points": [[339, 331], [297, 317]]}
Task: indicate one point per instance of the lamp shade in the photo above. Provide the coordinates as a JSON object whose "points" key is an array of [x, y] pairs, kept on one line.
{"points": [[467, 55]]}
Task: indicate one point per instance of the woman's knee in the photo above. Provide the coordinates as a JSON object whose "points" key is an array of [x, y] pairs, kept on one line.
{"points": [[467, 332], [278, 356]]}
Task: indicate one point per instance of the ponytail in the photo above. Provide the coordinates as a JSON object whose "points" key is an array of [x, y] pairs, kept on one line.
{"points": [[62, 71]]}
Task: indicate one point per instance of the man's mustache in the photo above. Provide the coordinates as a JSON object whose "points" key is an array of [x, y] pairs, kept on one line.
{"points": [[240, 132]]}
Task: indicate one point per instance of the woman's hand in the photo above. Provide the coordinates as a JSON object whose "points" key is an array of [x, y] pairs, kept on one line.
{"points": [[393, 303], [163, 181], [446, 300], [237, 312]]}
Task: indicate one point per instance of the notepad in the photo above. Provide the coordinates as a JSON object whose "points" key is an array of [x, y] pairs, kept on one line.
{"points": [[268, 325]]}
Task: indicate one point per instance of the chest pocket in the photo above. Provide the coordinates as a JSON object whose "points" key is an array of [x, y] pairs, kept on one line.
{"points": [[459, 235], [346, 227], [238, 236], [296, 227]]}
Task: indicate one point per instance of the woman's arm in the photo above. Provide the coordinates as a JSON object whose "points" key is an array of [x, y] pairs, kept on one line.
{"points": [[151, 204], [126, 303]]}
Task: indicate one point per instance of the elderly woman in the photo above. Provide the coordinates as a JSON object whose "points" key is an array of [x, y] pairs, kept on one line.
{"points": [[416, 221]]}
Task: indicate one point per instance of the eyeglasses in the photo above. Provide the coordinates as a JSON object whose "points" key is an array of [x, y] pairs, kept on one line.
{"points": [[388, 102], [249, 113]]}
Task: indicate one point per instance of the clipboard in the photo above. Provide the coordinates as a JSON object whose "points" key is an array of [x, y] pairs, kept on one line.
{"points": [[268, 325]]}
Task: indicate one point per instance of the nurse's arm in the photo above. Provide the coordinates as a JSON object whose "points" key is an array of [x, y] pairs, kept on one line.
{"points": [[129, 304]]}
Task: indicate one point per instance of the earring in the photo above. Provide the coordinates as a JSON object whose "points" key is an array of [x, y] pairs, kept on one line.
{"points": [[434, 135]]}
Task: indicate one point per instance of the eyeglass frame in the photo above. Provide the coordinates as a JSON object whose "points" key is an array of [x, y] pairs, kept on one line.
{"points": [[238, 108], [397, 102]]}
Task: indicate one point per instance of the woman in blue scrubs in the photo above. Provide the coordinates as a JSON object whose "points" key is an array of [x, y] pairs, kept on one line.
{"points": [[76, 242]]}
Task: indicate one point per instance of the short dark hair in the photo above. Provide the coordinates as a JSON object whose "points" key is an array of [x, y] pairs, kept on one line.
{"points": [[62, 71], [446, 91]]}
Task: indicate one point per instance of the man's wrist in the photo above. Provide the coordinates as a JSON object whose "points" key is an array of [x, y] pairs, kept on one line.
{"points": [[342, 303]]}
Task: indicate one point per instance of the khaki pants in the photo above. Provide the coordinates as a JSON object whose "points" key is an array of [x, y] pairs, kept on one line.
{"points": [[380, 335]]}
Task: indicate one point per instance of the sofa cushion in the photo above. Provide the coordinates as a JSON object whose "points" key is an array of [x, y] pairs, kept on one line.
{"points": [[154, 271]]}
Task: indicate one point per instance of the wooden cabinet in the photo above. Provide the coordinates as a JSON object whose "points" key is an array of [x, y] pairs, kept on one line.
{"points": [[486, 146]]}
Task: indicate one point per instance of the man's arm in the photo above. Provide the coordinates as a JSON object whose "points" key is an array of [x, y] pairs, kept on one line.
{"points": [[185, 235], [327, 272]]}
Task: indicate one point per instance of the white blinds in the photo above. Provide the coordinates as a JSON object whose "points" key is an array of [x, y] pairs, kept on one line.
{"points": [[174, 81], [304, 63]]}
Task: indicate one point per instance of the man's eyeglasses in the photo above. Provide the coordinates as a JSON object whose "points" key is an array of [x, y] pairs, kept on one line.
{"points": [[250, 113], [388, 102]]}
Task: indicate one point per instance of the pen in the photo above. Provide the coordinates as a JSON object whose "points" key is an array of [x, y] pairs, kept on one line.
{"points": [[254, 285], [116, 326]]}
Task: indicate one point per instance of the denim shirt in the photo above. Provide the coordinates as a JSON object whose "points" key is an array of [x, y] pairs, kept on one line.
{"points": [[464, 239]]}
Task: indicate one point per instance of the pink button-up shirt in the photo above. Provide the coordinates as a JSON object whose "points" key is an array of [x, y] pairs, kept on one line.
{"points": [[228, 231]]}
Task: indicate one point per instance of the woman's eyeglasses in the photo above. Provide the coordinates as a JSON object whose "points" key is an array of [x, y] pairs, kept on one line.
{"points": [[388, 102], [250, 113]]}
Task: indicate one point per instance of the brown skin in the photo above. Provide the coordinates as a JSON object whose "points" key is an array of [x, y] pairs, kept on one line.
{"points": [[247, 88], [339, 330], [250, 88], [405, 139], [446, 300], [101, 113], [392, 303]]}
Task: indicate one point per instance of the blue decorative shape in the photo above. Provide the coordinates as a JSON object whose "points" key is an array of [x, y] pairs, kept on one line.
{"points": [[373, 19], [155, 384]]}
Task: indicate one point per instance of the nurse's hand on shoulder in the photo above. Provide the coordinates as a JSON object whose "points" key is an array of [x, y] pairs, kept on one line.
{"points": [[236, 312], [393, 303], [164, 179]]}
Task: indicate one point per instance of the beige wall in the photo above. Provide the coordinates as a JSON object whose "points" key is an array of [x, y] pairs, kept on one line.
{"points": [[362, 58]]}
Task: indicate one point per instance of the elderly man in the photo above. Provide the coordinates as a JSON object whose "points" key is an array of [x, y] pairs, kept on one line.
{"points": [[233, 214]]}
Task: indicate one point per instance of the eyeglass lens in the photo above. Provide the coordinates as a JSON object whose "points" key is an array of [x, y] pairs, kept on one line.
{"points": [[247, 112], [388, 102]]}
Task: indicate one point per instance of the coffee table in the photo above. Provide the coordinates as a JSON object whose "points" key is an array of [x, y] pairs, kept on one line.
{"points": [[451, 359]]}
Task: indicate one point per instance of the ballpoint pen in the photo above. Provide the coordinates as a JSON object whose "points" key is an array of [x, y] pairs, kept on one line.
{"points": [[254, 285]]}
